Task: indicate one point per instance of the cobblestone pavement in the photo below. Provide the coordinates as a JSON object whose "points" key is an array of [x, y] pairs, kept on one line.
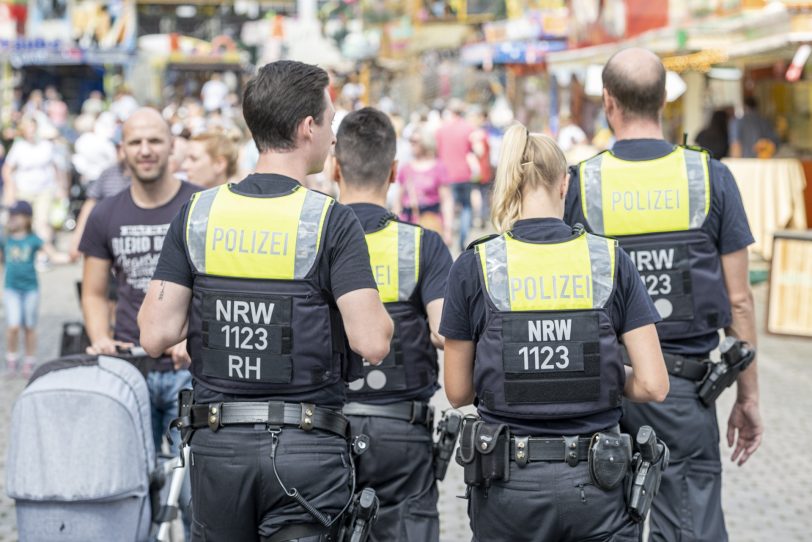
{"points": [[766, 500]]}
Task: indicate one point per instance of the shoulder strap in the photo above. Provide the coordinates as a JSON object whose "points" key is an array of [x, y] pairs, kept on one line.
{"points": [[483, 239]]}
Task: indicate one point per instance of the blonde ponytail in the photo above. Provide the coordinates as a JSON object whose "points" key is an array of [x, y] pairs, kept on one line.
{"points": [[525, 160], [507, 194]]}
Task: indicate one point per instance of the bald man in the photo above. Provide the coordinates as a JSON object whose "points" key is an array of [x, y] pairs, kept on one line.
{"points": [[125, 233], [679, 214]]}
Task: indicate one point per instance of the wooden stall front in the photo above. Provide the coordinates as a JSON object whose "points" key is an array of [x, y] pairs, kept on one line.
{"points": [[789, 310]]}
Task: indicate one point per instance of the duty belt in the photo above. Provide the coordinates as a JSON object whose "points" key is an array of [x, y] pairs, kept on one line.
{"points": [[415, 412], [568, 449], [686, 367], [306, 416], [693, 368]]}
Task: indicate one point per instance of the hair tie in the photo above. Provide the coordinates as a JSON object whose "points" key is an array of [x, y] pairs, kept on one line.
{"points": [[526, 142]]}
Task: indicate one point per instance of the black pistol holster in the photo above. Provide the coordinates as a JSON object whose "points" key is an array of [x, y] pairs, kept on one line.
{"points": [[484, 452], [359, 517], [648, 464], [736, 357], [610, 455], [448, 429]]}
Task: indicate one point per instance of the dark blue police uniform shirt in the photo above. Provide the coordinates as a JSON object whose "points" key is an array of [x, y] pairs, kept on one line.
{"points": [[726, 224], [340, 269], [465, 316], [435, 263]]}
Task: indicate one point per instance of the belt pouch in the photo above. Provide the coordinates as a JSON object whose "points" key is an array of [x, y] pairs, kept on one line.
{"points": [[493, 445], [467, 455], [610, 455]]}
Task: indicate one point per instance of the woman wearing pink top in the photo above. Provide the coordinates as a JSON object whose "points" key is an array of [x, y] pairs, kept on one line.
{"points": [[425, 198]]}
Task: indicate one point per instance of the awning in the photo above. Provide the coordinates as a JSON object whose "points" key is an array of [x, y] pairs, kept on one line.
{"points": [[745, 34], [512, 52], [74, 57]]}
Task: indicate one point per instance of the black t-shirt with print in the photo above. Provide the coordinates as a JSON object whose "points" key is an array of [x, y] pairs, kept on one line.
{"points": [[131, 238]]}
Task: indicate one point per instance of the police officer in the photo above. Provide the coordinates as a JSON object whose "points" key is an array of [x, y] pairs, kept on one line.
{"points": [[265, 277], [390, 402], [678, 214], [542, 307]]}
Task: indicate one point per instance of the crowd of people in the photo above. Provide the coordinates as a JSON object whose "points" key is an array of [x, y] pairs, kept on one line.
{"points": [[337, 307]]}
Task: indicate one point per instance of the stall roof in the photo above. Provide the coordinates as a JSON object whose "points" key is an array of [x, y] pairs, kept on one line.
{"points": [[745, 34], [531, 52]]}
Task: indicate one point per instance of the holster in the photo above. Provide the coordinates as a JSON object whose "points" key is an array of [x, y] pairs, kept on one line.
{"points": [[484, 452], [358, 520], [736, 357], [448, 429], [610, 455], [649, 462]]}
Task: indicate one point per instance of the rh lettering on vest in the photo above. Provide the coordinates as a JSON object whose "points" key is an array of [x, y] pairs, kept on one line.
{"points": [[239, 366], [653, 260], [549, 330], [552, 287], [248, 312], [272, 243], [649, 200]]}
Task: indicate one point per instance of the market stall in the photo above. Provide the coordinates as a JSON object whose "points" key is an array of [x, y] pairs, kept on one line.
{"points": [[773, 196]]}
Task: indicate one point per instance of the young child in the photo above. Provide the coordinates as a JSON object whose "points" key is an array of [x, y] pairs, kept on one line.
{"points": [[21, 291]]}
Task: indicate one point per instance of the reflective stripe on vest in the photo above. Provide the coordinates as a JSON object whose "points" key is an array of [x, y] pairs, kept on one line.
{"points": [[394, 254], [521, 276], [624, 197], [234, 235]]}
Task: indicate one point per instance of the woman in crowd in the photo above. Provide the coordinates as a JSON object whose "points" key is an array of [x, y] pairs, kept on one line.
{"points": [[425, 197], [31, 173], [211, 159]]}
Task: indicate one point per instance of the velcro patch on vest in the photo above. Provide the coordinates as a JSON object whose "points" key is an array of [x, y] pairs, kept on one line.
{"points": [[665, 271], [247, 337], [389, 375], [551, 357]]}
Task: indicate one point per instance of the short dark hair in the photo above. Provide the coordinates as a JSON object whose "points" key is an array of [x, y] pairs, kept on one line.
{"points": [[281, 96], [365, 147], [638, 94]]}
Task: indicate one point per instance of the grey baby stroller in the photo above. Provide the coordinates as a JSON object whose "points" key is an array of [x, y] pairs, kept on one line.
{"points": [[81, 462]]}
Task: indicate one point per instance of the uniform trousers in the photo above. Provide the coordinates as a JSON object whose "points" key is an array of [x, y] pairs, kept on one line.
{"points": [[688, 507], [236, 495], [399, 466], [549, 502]]}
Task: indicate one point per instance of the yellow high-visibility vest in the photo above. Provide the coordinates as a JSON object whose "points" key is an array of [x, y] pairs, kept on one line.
{"points": [[626, 197], [520, 276], [394, 255], [235, 235]]}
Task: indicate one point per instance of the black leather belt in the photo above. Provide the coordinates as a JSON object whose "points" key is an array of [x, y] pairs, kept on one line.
{"points": [[415, 412], [568, 449], [306, 416], [685, 367], [693, 368]]}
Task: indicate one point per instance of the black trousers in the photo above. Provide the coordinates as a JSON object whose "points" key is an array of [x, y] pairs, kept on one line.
{"points": [[549, 502], [236, 495], [688, 507], [398, 465]]}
